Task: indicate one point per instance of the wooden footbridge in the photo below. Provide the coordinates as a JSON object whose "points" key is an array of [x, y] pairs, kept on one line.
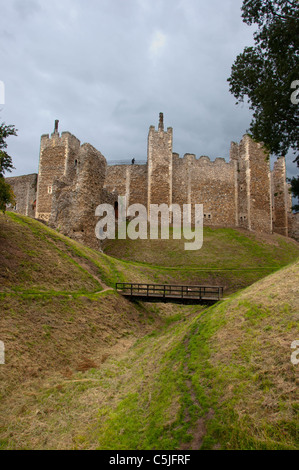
{"points": [[170, 293]]}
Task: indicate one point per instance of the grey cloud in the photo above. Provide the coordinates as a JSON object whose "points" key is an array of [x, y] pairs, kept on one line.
{"points": [[106, 69], [26, 8]]}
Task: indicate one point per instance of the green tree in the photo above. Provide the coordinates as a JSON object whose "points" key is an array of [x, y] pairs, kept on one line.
{"points": [[266, 72], [6, 193]]}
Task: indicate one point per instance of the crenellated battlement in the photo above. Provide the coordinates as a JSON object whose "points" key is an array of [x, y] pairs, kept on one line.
{"points": [[55, 139], [201, 161]]}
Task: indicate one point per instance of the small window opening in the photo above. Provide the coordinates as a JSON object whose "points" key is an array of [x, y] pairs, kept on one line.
{"points": [[116, 209]]}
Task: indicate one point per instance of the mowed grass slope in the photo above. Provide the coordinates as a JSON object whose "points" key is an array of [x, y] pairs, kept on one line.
{"points": [[58, 309], [229, 257], [223, 248], [222, 379], [87, 369]]}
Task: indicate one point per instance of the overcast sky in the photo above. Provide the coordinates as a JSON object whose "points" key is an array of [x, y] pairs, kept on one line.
{"points": [[106, 68]]}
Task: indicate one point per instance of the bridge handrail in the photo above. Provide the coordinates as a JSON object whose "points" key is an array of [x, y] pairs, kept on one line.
{"points": [[164, 290]]}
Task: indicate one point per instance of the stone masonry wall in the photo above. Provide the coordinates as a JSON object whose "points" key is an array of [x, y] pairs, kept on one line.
{"points": [[293, 225], [253, 185], [138, 184], [57, 159], [260, 187], [24, 188], [74, 202], [160, 165], [280, 197], [201, 181], [73, 180], [117, 180], [129, 181], [242, 186]]}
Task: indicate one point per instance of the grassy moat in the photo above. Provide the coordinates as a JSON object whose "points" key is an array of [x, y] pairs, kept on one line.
{"points": [[87, 369]]}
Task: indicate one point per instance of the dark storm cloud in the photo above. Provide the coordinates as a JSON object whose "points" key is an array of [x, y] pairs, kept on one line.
{"points": [[106, 68]]}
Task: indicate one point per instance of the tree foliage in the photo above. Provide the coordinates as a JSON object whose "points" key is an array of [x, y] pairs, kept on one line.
{"points": [[265, 72], [6, 193], [5, 159]]}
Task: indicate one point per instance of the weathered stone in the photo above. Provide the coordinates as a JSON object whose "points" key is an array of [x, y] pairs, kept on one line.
{"points": [[293, 223], [74, 179], [76, 197], [24, 188], [280, 197]]}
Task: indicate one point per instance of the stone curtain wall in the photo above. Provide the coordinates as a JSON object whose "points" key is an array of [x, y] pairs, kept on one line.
{"points": [[73, 180], [138, 184], [201, 181], [181, 179], [117, 179], [293, 225], [24, 188], [129, 181]]}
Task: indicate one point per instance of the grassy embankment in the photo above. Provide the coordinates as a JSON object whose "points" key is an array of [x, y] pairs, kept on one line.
{"points": [[87, 369]]}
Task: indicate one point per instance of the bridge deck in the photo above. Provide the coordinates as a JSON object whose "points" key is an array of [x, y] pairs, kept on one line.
{"points": [[170, 293]]}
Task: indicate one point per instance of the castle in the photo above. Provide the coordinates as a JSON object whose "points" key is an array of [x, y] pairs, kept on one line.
{"points": [[73, 179]]}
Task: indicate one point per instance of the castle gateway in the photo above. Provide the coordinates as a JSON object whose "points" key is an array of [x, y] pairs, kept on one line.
{"points": [[73, 179]]}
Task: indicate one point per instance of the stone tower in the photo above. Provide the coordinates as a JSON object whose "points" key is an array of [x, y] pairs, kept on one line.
{"points": [[159, 165], [76, 196], [57, 159], [280, 197], [252, 185]]}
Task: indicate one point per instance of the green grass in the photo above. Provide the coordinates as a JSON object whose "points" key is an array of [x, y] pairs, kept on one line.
{"points": [[87, 369], [223, 248], [222, 379], [228, 258], [247, 385]]}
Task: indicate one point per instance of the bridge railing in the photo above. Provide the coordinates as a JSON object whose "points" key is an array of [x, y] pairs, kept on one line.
{"points": [[170, 291]]}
